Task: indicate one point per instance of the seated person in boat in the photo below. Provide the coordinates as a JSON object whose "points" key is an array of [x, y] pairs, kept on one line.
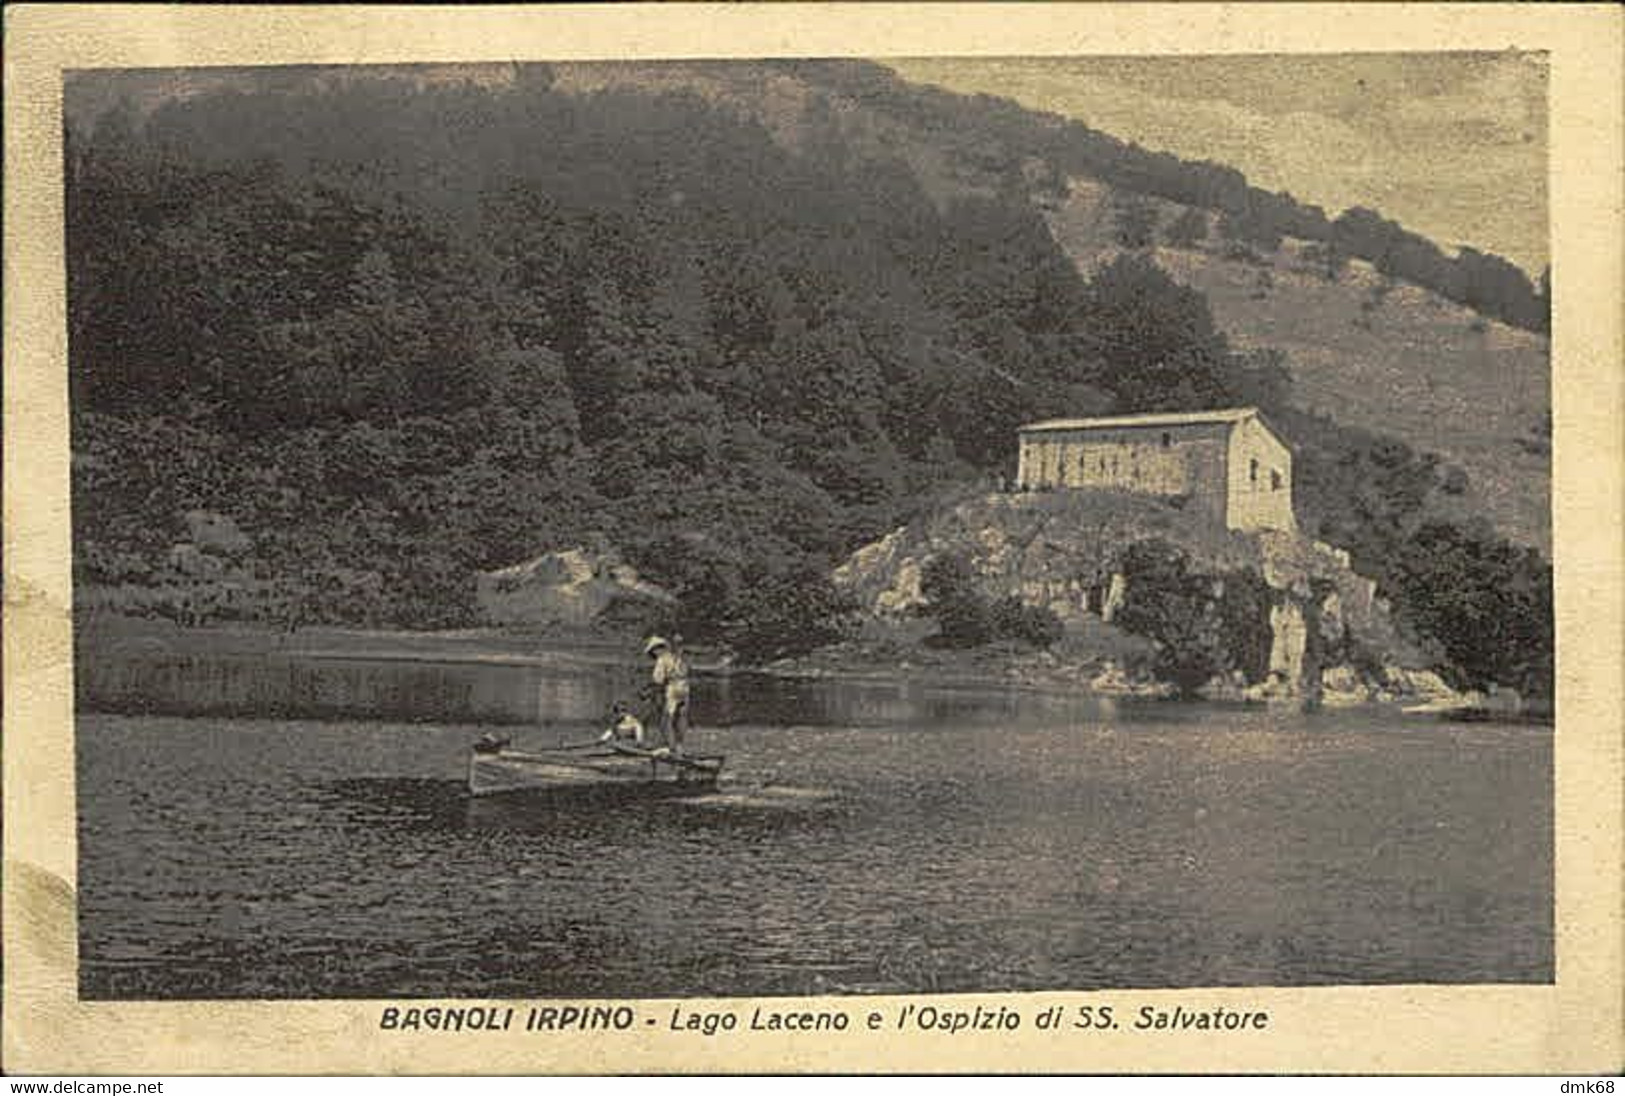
{"points": [[624, 726], [670, 681]]}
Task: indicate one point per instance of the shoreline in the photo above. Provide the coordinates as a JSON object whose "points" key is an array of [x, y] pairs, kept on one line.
{"points": [[996, 668], [121, 636]]}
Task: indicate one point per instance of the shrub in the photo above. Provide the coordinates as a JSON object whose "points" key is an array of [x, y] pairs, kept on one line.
{"points": [[1203, 624], [966, 619], [951, 599], [1485, 605], [1244, 609], [1189, 229], [1036, 625], [791, 614], [1238, 252], [1328, 259], [1136, 223]]}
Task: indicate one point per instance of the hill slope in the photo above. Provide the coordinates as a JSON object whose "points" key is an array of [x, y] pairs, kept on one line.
{"points": [[1388, 357], [732, 321], [1371, 352]]}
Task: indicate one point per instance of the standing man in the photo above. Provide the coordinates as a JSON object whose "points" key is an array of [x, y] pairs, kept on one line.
{"points": [[670, 678]]}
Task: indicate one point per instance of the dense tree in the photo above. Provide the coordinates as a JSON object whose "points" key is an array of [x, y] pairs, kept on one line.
{"points": [[407, 342], [1253, 226], [949, 588], [1204, 625], [1178, 609], [1189, 229], [1486, 605], [407, 333], [1154, 340], [1135, 222], [967, 618], [1329, 259], [993, 136], [788, 614]]}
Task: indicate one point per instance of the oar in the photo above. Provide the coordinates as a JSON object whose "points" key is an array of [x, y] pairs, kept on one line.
{"points": [[521, 755], [670, 759]]}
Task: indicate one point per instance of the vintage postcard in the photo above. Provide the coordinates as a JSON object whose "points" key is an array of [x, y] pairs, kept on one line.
{"points": [[813, 539]]}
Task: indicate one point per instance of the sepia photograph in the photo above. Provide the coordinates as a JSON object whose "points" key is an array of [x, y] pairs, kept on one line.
{"points": [[808, 527], [580, 532]]}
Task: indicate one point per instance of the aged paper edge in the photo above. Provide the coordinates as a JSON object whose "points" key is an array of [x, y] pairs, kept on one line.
{"points": [[1572, 1026]]}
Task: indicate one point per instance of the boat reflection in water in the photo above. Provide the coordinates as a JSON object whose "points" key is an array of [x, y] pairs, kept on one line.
{"points": [[863, 838]]}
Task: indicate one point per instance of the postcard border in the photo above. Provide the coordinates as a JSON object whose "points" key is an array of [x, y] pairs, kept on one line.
{"points": [[1572, 1026]]}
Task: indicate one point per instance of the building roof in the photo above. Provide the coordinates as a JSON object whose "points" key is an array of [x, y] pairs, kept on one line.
{"points": [[1170, 418]]}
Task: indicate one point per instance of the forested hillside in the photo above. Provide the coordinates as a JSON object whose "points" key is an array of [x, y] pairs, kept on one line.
{"points": [[403, 330], [1375, 352], [955, 140]]}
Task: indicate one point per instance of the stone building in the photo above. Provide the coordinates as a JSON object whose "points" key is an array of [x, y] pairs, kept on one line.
{"points": [[1228, 464]]}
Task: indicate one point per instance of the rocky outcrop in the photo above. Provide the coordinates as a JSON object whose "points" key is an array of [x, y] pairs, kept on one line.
{"points": [[1062, 550], [1113, 680], [213, 547], [1289, 642], [193, 562], [1055, 549], [576, 586]]}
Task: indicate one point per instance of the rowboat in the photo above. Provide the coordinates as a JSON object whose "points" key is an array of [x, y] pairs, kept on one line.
{"points": [[612, 767]]}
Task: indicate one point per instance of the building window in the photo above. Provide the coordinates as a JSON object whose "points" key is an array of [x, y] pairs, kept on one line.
{"points": [[1167, 439], [1252, 470], [1275, 480]]}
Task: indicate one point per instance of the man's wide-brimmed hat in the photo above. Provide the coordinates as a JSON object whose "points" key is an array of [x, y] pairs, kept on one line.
{"points": [[653, 644]]}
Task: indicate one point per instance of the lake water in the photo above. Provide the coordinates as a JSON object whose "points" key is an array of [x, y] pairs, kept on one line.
{"points": [[865, 839]]}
